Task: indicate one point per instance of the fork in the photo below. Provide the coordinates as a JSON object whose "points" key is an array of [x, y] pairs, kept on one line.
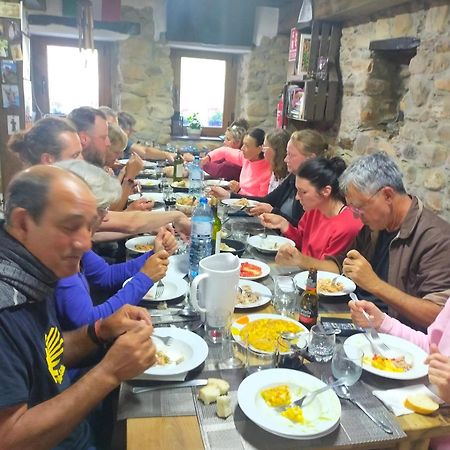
{"points": [[334, 280], [166, 340], [378, 346], [310, 396], [159, 289]]}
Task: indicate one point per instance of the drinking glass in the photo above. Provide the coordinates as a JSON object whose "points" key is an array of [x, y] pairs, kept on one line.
{"points": [[290, 351], [261, 354], [347, 364], [285, 296], [168, 196], [233, 355], [240, 232], [322, 343]]}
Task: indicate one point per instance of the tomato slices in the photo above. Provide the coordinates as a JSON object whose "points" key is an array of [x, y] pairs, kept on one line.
{"points": [[250, 270]]}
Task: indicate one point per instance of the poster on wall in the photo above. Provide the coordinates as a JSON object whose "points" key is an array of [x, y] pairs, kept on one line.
{"points": [[8, 71], [13, 124], [4, 48], [303, 54], [293, 44], [10, 96], [16, 52]]}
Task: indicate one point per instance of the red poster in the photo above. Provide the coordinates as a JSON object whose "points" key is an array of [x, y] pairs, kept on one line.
{"points": [[111, 10], [293, 43]]}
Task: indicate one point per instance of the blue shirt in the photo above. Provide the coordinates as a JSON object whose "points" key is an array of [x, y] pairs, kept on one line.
{"points": [[74, 304]]}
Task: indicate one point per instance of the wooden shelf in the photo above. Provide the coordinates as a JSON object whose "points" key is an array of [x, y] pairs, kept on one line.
{"points": [[320, 96]]}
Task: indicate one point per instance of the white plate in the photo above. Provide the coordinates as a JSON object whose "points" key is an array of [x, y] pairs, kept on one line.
{"points": [[349, 286], [150, 164], [269, 244], [157, 197], [184, 184], [190, 346], [174, 287], [240, 323], [221, 183], [322, 415], [178, 266], [265, 269], [233, 203], [257, 288], [147, 182], [130, 244], [413, 355]]}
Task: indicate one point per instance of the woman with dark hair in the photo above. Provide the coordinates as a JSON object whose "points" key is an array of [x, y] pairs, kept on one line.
{"points": [[328, 225], [255, 174]]}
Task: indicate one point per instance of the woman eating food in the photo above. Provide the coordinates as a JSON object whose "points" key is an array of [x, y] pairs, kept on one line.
{"points": [[256, 172], [327, 227]]}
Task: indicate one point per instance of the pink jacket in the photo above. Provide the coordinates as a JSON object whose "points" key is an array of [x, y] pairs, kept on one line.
{"points": [[255, 175], [438, 333]]}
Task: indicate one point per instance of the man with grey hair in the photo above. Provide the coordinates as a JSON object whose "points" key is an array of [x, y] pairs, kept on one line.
{"points": [[43, 240], [401, 255]]}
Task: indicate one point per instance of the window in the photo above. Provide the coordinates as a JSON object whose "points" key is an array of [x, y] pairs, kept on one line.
{"points": [[67, 66], [65, 78], [205, 83]]}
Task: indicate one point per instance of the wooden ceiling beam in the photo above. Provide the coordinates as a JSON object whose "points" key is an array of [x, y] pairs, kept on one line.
{"points": [[341, 10]]}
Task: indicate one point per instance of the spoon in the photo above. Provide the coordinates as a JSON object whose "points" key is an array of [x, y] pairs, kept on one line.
{"points": [[343, 392]]}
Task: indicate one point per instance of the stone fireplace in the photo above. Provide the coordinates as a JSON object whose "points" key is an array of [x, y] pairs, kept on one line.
{"points": [[398, 99]]}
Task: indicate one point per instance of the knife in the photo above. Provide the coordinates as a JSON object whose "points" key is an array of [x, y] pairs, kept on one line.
{"points": [[200, 382]]}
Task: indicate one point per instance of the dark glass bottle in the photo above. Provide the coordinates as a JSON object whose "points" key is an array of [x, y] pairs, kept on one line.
{"points": [[178, 166], [309, 301]]}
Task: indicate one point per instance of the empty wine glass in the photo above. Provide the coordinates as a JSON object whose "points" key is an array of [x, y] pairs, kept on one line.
{"points": [[347, 364], [230, 349]]}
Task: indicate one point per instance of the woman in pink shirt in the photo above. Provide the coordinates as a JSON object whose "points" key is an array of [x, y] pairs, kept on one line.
{"points": [[256, 170], [436, 342], [328, 226]]}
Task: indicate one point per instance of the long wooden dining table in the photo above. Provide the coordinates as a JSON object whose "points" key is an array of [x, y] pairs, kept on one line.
{"points": [[183, 432]]}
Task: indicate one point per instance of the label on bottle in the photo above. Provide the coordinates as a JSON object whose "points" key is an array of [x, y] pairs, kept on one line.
{"points": [[307, 317], [178, 170], [201, 229]]}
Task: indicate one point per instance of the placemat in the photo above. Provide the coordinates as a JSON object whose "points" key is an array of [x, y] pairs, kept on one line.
{"points": [[238, 433], [161, 403]]}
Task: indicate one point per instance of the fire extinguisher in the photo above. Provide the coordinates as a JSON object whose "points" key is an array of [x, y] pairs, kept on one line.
{"points": [[281, 121]]}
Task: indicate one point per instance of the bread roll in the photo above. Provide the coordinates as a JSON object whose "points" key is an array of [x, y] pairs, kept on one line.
{"points": [[223, 406], [421, 403], [208, 394], [223, 385]]}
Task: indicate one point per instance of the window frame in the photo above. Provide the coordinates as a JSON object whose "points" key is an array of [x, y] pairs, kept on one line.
{"points": [[107, 56], [230, 84]]}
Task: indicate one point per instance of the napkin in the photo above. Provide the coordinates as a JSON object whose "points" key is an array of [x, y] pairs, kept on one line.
{"points": [[394, 399]]}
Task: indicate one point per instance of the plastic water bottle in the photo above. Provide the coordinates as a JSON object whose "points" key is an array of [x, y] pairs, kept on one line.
{"points": [[196, 178], [201, 229]]}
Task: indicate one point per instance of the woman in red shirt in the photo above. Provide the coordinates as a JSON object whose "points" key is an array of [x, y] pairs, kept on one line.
{"points": [[328, 225]]}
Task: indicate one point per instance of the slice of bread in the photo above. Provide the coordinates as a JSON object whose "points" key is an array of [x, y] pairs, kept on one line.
{"points": [[209, 393], [421, 403]]}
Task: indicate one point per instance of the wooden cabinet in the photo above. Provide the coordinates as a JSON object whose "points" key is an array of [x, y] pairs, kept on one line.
{"points": [[311, 93]]}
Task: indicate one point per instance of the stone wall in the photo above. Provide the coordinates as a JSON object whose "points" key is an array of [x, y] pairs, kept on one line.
{"points": [[418, 135], [146, 78], [262, 74]]}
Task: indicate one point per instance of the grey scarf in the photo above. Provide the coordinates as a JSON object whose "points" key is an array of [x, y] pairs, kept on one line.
{"points": [[23, 278]]}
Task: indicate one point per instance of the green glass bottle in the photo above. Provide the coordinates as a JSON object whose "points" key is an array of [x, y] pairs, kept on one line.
{"points": [[178, 166], [309, 301], [217, 223]]}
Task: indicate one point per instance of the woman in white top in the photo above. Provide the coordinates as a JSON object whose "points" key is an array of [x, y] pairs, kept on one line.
{"points": [[274, 149]]}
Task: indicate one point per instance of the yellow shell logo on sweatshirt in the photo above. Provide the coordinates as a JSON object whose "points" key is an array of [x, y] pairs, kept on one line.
{"points": [[53, 353]]}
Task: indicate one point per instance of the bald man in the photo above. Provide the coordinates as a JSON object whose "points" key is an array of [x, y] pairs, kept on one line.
{"points": [[43, 239]]}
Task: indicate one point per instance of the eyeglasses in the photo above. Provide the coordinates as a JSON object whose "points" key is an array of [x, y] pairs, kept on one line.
{"points": [[356, 210]]}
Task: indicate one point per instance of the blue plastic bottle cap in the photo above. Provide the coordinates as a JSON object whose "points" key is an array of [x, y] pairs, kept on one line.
{"points": [[203, 200]]}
